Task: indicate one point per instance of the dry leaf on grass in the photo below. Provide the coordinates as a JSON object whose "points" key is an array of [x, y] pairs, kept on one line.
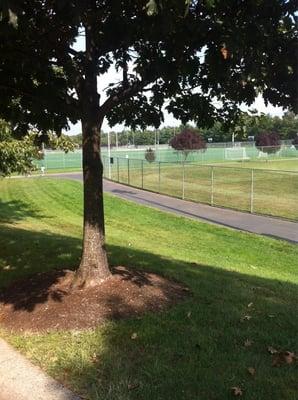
{"points": [[272, 350], [134, 336], [251, 371], [249, 305], [283, 357], [248, 343], [94, 358], [132, 386], [237, 391], [189, 314]]}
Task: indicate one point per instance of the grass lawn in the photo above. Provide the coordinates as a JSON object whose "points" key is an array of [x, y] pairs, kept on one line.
{"points": [[244, 289], [274, 192], [284, 165]]}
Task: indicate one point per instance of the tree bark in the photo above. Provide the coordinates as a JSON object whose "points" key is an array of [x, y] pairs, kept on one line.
{"points": [[94, 267]]}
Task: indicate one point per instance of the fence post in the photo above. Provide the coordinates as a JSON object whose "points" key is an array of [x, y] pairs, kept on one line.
{"points": [[128, 177], [212, 185], [159, 177], [118, 177], [63, 160], [142, 174], [252, 192], [183, 180]]}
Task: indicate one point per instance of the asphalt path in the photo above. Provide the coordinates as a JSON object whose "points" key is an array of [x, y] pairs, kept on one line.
{"points": [[273, 227]]}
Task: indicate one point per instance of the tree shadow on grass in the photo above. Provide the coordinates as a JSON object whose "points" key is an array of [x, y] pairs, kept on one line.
{"points": [[16, 210], [195, 350], [25, 253]]}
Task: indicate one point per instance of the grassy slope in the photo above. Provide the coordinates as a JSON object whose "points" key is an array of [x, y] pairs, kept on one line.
{"points": [[193, 351]]}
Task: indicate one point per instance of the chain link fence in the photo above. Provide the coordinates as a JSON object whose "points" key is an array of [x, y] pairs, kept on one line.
{"points": [[270, 192]]}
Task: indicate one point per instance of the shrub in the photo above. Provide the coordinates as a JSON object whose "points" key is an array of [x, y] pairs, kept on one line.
{"points": [[150, 155]]}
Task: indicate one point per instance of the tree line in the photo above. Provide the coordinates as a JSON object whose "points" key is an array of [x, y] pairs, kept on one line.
{"points": [[247, 127]]}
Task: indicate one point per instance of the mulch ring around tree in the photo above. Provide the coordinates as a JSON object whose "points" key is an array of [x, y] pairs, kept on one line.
{"points": [[46, 301]]}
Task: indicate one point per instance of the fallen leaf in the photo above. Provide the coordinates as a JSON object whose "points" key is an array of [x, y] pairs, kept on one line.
{"points": [[271, 315], [251, 371], [237, 391], [283, 357], [248, 343], [134, 335], [189, 314], [132, 386], [94, 358], [249, 305], [272, 350]]}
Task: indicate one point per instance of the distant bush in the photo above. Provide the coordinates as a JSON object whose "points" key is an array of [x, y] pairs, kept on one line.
{"points": [[187, 141], [295, 142], [268, 142], [150, 155]]}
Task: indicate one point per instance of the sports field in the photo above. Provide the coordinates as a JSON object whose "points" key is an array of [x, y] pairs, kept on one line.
{"points": [[233, 185], [58, 159]]}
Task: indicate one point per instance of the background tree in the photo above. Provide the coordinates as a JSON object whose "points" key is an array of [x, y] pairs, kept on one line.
{"points": [[182, 54], [150, 155], [19, 155], [187, 141], [268, 142]]}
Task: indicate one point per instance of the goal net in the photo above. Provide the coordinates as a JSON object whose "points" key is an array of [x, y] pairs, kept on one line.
{"points": [[235, 153]]}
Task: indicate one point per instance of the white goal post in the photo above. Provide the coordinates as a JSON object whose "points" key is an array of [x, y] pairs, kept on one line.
{"points": [[235, 153]]}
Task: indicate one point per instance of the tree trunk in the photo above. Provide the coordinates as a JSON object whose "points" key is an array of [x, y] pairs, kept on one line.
{"points": [[94, 267]]}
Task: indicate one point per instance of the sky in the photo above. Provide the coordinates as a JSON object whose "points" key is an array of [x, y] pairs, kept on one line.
{"points": [[169, 120]]}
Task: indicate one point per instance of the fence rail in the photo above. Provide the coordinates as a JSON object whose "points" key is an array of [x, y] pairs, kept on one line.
{"points": [[270, 192]]}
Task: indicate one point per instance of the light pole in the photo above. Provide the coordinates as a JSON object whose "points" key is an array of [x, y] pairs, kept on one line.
{"points": [[109, 155]]}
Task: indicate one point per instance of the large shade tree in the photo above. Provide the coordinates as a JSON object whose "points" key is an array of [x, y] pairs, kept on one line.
{"points": [[184, 54]]}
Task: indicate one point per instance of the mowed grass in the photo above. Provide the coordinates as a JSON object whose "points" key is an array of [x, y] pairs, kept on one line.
{"points": [[244, 287], [275, 192], [282, 165]]}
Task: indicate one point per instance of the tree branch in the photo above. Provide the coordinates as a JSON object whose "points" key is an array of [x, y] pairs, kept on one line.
{"points": [[126, 93], [73, 52]]}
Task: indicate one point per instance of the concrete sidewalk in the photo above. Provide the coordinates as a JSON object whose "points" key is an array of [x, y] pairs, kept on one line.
{"points": [[20, 380], [273, 227]]}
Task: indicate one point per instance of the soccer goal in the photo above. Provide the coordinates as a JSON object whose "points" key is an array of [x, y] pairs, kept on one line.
{"points": [[235, 153]]}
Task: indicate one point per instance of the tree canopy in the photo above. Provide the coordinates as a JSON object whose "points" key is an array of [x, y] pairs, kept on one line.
{"points": [[187, 141], [268, 142], [258, 38]]}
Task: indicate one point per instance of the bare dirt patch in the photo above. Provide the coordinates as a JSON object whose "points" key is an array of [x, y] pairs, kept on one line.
{"points": [[47, 302]]}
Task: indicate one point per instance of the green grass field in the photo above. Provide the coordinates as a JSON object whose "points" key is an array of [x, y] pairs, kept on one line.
{"points": [[281, 165], [244, 288], [58, 159], [275, 192]]}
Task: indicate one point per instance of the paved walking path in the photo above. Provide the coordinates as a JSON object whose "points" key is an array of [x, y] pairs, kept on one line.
{"points": [[262, 225], [20, 380]]}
